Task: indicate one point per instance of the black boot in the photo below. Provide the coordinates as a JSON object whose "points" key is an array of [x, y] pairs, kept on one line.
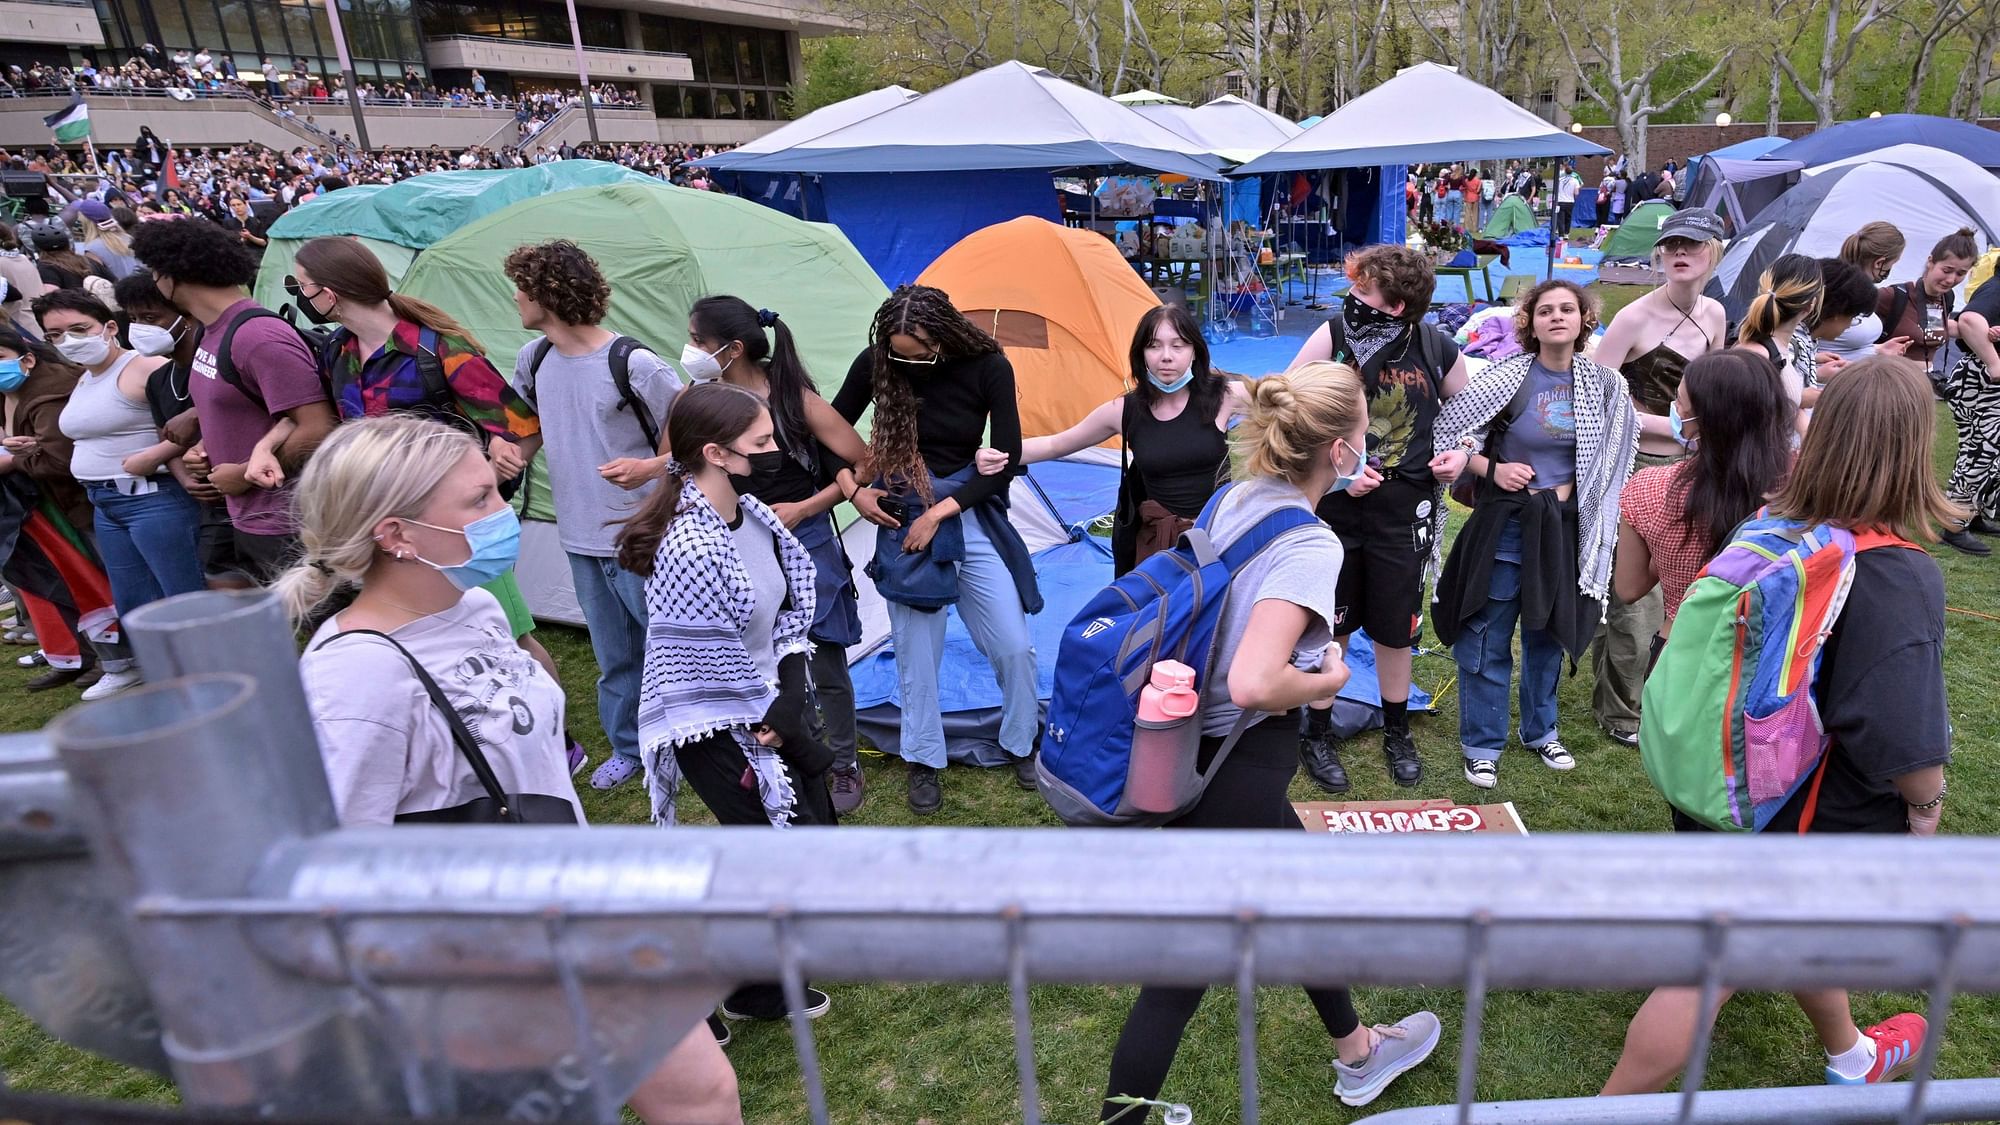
{"points": [[1320, 752]]}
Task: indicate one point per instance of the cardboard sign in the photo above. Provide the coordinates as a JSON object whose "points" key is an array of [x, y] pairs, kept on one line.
{"points": [[1439, 815]]}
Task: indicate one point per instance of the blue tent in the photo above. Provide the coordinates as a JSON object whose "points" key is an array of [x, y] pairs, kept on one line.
{"points": [[1855, 138], [1747, 150]]}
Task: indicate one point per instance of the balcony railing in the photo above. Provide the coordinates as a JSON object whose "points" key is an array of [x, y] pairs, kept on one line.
{"points": [[501, 41]]}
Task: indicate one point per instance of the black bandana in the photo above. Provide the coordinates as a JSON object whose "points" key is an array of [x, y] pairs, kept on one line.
{"points": [[1367, 328]]}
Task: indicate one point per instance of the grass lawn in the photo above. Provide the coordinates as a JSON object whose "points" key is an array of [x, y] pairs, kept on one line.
{"points": [[916, 1053]]}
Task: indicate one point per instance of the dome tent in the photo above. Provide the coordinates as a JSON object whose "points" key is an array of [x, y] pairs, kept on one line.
{"points": [[1060, 300], [398, 221], [1830, 204], [1633, 239], [1510, 217]]}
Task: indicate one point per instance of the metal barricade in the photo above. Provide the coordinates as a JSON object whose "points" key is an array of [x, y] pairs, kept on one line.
{"points": [[272, 963]]}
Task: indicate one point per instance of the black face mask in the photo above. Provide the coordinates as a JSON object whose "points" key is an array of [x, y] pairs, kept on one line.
{"points": [[763, 466]]}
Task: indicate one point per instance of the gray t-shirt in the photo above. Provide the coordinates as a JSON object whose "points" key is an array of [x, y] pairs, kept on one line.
{"points": [[767, 579], [387, 748], [1543, 435], [585, 424], [1301, 566]]}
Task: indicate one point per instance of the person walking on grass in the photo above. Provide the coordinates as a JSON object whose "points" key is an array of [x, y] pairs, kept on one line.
{"points": [[600, 397], [1865, 466], [1305, 438]]}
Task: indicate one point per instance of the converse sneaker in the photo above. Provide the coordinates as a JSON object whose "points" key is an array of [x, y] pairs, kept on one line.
{"points": [[817, 1005], [1482, 773], [1398, 1047], [1554, 755]]}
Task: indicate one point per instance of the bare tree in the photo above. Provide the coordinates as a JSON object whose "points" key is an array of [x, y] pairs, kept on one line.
{"points": [[1837, 47], [1969, 97], [1628, 45], [1947, 16]]}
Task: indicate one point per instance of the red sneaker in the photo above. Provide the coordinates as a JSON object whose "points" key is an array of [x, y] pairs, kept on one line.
{"points": [[1898, 1041]]}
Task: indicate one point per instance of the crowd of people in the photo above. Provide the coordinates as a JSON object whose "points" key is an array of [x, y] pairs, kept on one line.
{"points": [[1465, 195], [163, 432]]}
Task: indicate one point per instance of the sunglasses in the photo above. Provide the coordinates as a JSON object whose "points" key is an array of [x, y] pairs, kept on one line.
{"points": [[929, 361]]}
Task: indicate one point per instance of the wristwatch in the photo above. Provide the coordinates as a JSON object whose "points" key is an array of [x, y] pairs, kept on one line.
{"points": [[1934, 802]]}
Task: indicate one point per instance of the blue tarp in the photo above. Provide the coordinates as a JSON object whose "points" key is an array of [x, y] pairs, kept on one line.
{"points": [[1853, 138], [1585, 214], [1070, 574], [902, 221], [780, 191]]}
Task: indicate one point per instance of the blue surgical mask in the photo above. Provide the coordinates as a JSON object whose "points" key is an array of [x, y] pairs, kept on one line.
{"points": [[1341, 481], [1675, 422], [1169, 388], [496, 546], [12, 374]]}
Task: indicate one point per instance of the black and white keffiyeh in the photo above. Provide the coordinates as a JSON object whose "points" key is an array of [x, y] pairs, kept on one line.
{"points": [[699, 677], [1368, 329], [1607, 438]]}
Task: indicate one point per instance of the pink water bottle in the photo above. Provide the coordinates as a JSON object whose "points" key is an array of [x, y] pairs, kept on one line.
{"points": [[1165, 740]]}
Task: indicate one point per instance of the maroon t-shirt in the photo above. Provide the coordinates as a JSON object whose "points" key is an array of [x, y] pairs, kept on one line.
{"points": [[270, 357]]}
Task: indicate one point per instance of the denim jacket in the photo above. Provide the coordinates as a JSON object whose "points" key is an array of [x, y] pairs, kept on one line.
{"points": [[928, 579]]}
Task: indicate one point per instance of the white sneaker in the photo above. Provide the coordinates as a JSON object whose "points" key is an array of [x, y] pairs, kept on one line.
{"points": [[111, 684], [1554, 755]]}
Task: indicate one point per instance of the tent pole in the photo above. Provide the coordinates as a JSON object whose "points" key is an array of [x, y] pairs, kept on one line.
{"points": [[1552, 232]]}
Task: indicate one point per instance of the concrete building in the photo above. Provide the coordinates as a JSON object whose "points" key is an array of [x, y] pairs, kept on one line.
{"points": [[704, 70]]}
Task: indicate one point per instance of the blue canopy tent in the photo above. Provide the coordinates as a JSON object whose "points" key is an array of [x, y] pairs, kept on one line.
{"points": [[795, 195], [1855, 138], [907, 183], [1426, 114]]}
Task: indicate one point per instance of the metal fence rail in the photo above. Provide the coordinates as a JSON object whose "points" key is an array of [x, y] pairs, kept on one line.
{"points": [[270, 962]]}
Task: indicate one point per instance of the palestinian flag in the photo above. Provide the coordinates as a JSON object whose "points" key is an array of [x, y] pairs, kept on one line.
{"points": [[71, 122]]}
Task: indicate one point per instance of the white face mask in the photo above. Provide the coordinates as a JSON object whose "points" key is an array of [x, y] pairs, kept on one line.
{"points": [[86, 352], [151, 339], [701, 366]]}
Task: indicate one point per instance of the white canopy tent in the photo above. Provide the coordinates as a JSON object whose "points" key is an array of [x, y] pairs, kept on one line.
{"points": [[1426, 114], [1145, 97], [818, 123], [1009, 116], [1229, 127]]}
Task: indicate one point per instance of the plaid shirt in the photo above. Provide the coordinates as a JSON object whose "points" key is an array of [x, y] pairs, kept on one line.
{"points": [[1655, 505], [390, 380]]}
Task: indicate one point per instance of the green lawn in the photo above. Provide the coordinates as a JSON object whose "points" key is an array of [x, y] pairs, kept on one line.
{"points": [[910, 1053]]}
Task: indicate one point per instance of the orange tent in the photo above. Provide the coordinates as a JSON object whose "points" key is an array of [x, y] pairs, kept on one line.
{"points": [[1064, 304]]}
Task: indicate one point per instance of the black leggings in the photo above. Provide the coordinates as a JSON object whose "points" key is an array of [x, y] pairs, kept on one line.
{"points": [[1248, 792]]}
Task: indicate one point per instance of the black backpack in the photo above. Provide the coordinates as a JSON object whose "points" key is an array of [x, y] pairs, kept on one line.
{"points": [[323, 344], [621, 376]]}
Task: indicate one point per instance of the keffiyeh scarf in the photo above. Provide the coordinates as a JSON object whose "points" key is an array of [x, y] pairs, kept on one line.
{"points": [[1368, 329], [1607, 438], [699, 677]]}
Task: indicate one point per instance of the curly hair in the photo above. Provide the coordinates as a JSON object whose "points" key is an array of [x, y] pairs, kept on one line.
{"points": [[561, 278], [1524, 313], [892, 449], [194, 252], [1399, 273]]}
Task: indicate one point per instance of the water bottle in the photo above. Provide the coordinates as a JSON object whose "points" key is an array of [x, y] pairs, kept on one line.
{"points": [[1261, 325], [1165, 740]]}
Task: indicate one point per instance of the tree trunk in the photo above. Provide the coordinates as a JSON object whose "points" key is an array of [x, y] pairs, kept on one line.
{"points": [[1777, 96]]}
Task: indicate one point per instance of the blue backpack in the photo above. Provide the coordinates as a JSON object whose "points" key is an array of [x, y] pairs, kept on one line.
{"points": [[1167, 608]]}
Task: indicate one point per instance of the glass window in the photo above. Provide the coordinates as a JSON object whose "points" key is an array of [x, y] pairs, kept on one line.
{"points": [[727, 104], [600, 27], [271, 34], [299, 27], [323, 27], [204, 26], [687, 40], [777, 63], [700, 102], [721, 60], [749, 59], [753, 105]]}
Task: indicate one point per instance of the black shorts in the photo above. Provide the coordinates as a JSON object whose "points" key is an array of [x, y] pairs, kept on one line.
{"points": [[216, 544], [1386, 536], [264, 557]]}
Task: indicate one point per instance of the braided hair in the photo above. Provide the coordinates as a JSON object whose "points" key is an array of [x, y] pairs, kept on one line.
{"points": [[892, 448]]}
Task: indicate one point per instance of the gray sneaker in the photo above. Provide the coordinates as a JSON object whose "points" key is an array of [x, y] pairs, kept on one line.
{"points": [[1398, 1047]]}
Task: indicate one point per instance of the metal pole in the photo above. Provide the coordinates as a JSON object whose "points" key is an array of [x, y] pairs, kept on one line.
{"points": [[347, 73], [582, 70]]}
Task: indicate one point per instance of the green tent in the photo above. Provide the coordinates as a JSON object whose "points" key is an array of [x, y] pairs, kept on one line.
{"points": [[1635, 236], [398, 220], [1510, 217]]}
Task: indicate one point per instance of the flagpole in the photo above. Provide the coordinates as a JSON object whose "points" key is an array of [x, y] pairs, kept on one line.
{"points": [[90, 151], [347, 72]]}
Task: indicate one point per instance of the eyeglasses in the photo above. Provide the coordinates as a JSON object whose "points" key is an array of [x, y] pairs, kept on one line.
{"points": [[293, 287], [74, 332], [928, 361]]}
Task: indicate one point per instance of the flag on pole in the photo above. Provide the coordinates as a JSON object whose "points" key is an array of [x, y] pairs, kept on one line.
{"points": [[71, 122]]}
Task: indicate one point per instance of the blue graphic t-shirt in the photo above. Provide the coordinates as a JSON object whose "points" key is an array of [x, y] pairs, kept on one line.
{"points": [[1544, 435]]}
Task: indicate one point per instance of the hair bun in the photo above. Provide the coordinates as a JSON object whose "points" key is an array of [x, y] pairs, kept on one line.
{"points": [[766, 318], [1273, 394]]}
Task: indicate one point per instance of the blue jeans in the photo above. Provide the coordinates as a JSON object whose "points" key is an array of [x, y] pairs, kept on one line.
{"points": [[990, 606], [1451, 207], [151, 544], [613, 601], [1485, 655]]}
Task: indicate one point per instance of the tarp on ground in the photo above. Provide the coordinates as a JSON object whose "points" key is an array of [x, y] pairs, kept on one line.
{"points": [[1061, 301], [1830, 204], [1229, 127], [1870, 134], [1426, 114], [661, 247], [1634, 238], [1511, 216], [1009, 116]]}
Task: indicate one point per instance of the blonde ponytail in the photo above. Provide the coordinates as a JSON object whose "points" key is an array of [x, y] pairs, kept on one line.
{"points": [[1295, 417]]}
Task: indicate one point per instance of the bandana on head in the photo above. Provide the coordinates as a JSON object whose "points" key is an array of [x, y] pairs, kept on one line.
{"points": [[1368, 329]]}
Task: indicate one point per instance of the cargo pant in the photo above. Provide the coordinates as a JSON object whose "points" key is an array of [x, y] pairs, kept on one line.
{"points": [[1619, 653]]}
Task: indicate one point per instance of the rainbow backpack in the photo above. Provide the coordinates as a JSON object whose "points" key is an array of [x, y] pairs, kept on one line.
{"points": [[1729, 728]]}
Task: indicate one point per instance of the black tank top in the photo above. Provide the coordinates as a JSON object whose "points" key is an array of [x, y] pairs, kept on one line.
{"points": [[1181, 461], [1655, 378]]}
